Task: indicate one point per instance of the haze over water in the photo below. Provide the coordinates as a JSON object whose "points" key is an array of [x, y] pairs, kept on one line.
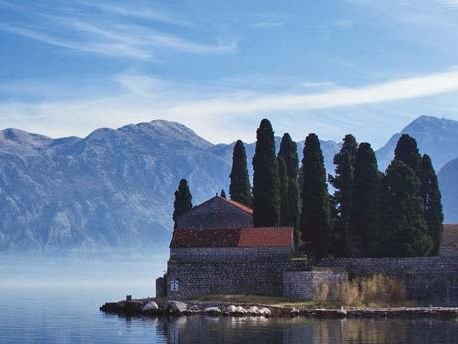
{"points": [[47, 302]]}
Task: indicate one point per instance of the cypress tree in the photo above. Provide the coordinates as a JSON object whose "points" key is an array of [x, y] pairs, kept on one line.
{"points": [[404, 232], [288, 152], [432, 205], [315, 215], [363, 226], [283, 181], [342, 199], [240, 189], [183, 200], [407, 151], [266, 186]]}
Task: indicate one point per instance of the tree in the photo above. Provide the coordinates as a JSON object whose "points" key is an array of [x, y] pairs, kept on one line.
{"points": [[222, 193], [183, 200], [240, 189], [432, 205], [266, 186], [315, 215], [283, 182], [288, 152], [363, 239], [343, 197], [407, 151], [403, 230]]}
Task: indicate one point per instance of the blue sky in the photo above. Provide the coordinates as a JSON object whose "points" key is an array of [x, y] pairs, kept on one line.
{"points": [[330, 67]]}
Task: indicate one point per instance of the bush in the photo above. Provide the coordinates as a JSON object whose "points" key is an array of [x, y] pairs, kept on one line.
{"points": [[377, 290]]}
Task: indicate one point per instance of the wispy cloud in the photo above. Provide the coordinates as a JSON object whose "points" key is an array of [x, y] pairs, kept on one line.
{"points": [[142, 10], [118, 49], [118, 38], [225, 114], [407, 88], [268, 24]]}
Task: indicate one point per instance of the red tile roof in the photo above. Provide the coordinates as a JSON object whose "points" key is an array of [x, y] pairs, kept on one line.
{"points": [[243, 237], [266, 237]]}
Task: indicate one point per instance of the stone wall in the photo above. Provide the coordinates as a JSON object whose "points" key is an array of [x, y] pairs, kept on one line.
{"points": [[314, 284], [428, 280], [260, 277], [231, 253]]}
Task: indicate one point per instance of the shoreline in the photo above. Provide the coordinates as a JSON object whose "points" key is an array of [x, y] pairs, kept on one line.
{"points": [[152, 307]]}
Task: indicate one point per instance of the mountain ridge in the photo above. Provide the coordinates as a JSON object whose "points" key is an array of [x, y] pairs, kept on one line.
{"points": [[114, 187]]}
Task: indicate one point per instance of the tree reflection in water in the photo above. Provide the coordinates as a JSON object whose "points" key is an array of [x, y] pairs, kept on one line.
{"points": [[247, 330]]}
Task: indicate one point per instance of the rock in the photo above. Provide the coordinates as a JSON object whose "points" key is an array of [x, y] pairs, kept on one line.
{"points": [[231, 309], [177, 307], [194, 308], [264, 311], [150, 307], [294, 312], [240, 310], [212, 311], [253, 310]]}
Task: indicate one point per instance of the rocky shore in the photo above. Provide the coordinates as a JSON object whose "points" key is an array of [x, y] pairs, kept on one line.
{"points": [[161, 307]]}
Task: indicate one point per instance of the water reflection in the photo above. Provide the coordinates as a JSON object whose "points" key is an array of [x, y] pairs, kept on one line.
{"points": [[226, 330]]}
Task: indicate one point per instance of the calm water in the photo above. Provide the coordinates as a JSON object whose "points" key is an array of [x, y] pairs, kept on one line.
{"points": [[68, 315], [40, 304]]}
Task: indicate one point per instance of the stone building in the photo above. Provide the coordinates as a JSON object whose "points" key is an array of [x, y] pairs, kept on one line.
{"points": [[215, 250], [220, 230], [216, 213]]}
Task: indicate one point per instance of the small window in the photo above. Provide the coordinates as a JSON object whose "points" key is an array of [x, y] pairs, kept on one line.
{"points": [[174, 285]]}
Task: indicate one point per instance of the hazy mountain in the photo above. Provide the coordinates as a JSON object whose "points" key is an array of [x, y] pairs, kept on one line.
{"points": [[112, 189], [437, 137], [448, 181]]}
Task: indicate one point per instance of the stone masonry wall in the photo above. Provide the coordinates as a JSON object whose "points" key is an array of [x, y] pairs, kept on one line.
{"points": [[215, 213], [314, 284], [260, 277], [428, 280]]}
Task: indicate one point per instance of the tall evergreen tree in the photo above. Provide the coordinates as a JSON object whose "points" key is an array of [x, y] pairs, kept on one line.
{"points": [[407, 151], [240, 189], [283, 181], [403, 229], [363, 237], [432, 205], [288, 152], [183, 199], [315, 215], [342, 199], [266, 186]]}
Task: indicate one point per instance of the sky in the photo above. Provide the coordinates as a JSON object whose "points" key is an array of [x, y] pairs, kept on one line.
{"points": [[330, 67]]}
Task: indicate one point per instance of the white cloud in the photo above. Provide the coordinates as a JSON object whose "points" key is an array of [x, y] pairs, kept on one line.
{"points": [[136, 10], [117, 49], [223, 114], [116, 37]]}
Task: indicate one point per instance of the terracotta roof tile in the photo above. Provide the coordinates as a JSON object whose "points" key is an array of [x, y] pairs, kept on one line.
{"points": [[266, 237], [245, 237]]}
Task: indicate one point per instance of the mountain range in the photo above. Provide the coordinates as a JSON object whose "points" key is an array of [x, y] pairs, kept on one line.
{"points": [[114, 188]]}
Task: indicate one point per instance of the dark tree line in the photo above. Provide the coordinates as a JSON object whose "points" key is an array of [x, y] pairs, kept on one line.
{"points": [[370, 214]]}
